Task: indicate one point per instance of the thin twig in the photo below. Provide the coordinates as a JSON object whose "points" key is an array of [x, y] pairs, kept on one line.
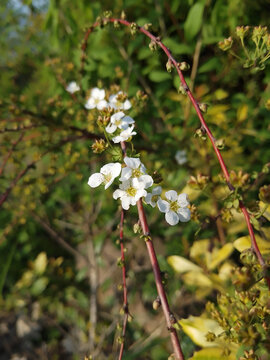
{"points": [[10, 152]]}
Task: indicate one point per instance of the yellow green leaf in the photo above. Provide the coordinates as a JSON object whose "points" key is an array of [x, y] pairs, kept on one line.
{"points": [[182, 265], [197, 328], [242, 112], [244, 243], [40, 263], [220, 255], [214, 353], [195, 278]]}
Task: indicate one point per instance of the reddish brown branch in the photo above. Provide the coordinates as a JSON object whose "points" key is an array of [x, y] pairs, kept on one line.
{"points": [[195, 104], [160, 289], [125, 299]]}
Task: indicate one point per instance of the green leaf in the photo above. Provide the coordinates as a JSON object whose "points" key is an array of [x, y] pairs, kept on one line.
{"points": [[194, 21], [39, 286], [158, 76]]}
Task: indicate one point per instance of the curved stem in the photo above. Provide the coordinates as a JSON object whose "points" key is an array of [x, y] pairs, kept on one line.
{"points": [[159, 43]]}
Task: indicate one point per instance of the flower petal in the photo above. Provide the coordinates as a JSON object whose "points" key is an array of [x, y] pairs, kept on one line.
{"points": [[111, 128], [102, 104], [126, 105], [171, 217], [117, 116], [90, 104], [171, 195], [126, 174], [148, 198], [183, 200], [163, 206], [118, 193], [184, 214], [95, 180], [147, 180], [132, 163], [157, 190], [126, 202], [98, 93]]}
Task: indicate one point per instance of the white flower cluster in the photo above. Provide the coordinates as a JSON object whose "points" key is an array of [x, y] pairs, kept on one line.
{"points": [[134, 180]]}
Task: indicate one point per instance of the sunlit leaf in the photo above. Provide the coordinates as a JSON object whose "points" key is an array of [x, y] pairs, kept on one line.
{"points": [[182, 265], [197, 328], [244, 243], [212, 354], [40, 263], [220, 255]]}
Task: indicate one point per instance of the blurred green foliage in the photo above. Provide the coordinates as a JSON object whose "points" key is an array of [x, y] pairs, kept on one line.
{"points": [[54, 228]]}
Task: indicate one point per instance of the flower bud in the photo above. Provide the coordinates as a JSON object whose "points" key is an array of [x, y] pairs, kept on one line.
{"points": [[203, 107], [153, 45], [241, 31], [147, 26], [156, 303], [99, 146], [264, 194], [183, 66], [123, 15], [157, 177], [226, 44], [182, 90], [169, 66], [133, 28], [210, 336]]}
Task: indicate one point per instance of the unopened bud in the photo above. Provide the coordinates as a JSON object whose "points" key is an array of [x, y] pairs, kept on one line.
{"points": [[169, 65], [183, 66], [147, 26], [123, 15], [182, 90], [156, 303], [133, 28], [264, 194], [157, 177], [241, 31], [203, 107], [226, 44], [99, 146], [153, 45]]}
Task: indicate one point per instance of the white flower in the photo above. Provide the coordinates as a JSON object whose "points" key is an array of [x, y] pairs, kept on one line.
{"points": [[175, 208], [124, 135], [106, 175], [119, 120], [181, 157], [96, 99], [152, 198], [72, 87], [130, 192], [115, 103], [135, 169]]}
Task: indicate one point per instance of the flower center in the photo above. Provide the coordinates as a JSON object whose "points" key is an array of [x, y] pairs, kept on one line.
{"points": [[155, 198], [174, 206], [107, 178], [131, 191], [96, 101], [118, 122], [136, 173]]}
